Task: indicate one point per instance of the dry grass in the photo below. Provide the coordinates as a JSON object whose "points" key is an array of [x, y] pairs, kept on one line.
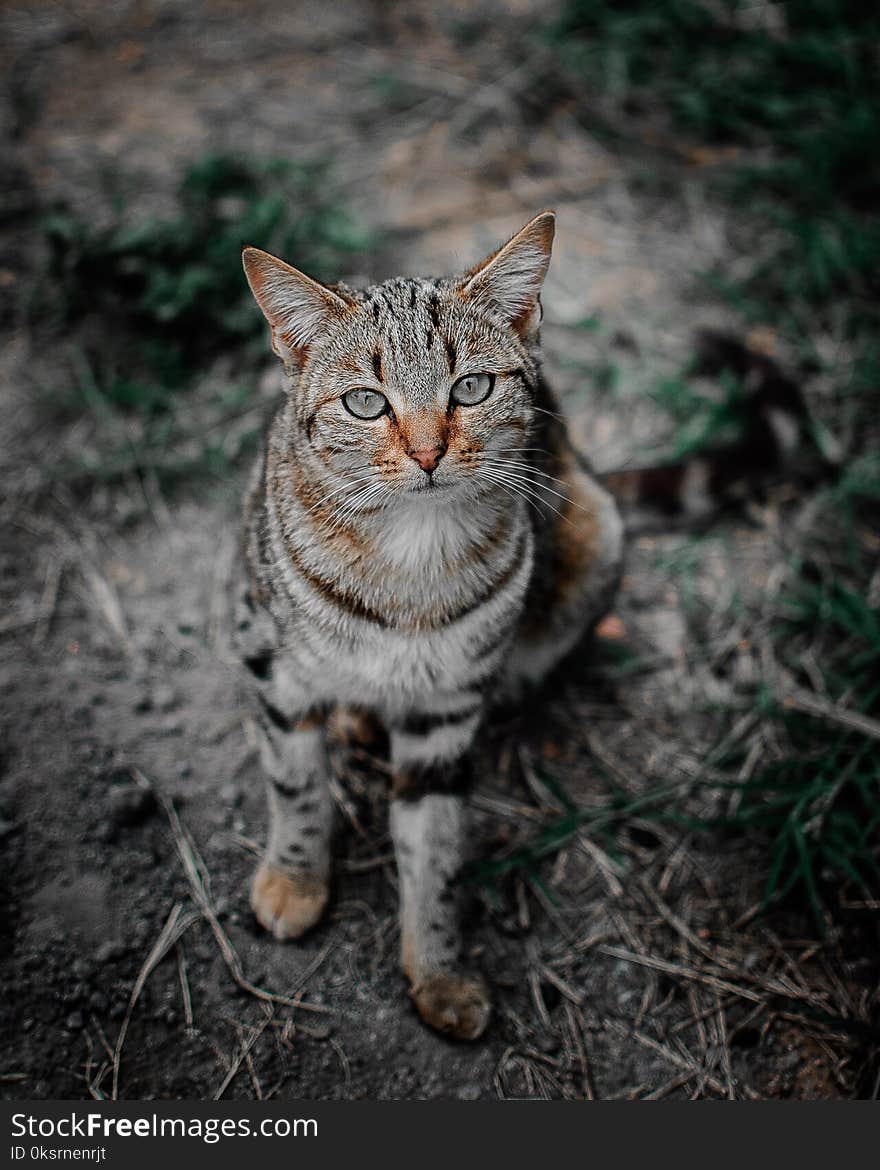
{"points": [[626, 833]]}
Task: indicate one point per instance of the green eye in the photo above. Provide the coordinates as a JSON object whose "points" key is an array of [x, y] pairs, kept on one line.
{"points": [[472, 388], [365, 403]]}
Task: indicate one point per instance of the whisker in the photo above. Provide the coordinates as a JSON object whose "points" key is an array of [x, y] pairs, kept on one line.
{"points": [[517, 450], [552, 413], [508, 489], [526, 467], [334, 521], [524, 477], [365, 477], [376, 490], [523, 490], [526, 474], [348, 507], [528, 489], [360, 498]]}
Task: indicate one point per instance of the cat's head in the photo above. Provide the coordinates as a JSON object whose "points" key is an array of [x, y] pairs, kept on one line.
{"points": [[418, 385]]}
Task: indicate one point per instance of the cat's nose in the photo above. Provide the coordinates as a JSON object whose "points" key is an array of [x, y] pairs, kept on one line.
{"points": [[428, 457]]}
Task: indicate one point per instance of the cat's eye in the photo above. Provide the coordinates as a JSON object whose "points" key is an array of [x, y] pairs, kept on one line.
{"points": [[472, 388], [365, 403]]}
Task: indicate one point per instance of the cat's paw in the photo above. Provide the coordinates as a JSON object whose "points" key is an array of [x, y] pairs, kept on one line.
{"points": [[455, 1004], [286, 905]]}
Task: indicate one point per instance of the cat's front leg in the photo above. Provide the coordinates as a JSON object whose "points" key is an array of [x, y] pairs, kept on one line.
{"points": [[431, 777], [291, 885]]}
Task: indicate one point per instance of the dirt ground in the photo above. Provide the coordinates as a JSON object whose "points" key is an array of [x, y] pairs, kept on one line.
{"points": [[634, 964]]}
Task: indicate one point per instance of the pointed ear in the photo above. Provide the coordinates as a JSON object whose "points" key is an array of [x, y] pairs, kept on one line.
{"points": [[296, 307], [511, 278]]}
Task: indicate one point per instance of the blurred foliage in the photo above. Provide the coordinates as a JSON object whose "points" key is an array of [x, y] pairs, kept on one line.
{"points": [[820, 802], [702, 422], [170, 296], [783, 100], [814, 789], [794, 88], [784, 73]]}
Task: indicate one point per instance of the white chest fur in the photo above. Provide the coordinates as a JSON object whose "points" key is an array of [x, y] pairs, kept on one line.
{"points": [[358, 661]]}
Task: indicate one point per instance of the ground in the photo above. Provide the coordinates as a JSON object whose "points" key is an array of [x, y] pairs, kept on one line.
{"points": [[630, 958]]}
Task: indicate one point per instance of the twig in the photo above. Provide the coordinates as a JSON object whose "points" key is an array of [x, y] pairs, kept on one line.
{"points": [[318, 960], [108, 604], [561, 986], [499, 806], [686, 933], [684, 972], [194, 868], [95, 1086], [605, 865], [21, 622], [575, 1027], [252, 1073], [669, 1054], [676, 1083], [49, 600], [184, 986], [343, 1060], [725, 1049], [798, 699], [243, 1052], [540, 1006], [543, 797], [498, 1076], [699, 1016], [175, 926]]}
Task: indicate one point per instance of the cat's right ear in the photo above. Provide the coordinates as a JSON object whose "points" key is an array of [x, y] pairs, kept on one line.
{"points": [[297, 308], [511, 278]]}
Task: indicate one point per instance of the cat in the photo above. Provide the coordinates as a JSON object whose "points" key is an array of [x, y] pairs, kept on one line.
{"points": [[421, 537]]}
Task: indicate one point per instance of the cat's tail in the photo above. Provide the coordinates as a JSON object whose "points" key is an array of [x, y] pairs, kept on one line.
{"points": [[776, 439]]}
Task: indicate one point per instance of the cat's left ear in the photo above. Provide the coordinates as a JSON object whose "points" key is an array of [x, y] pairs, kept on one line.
{"points": [[297, 308], [511, 278]]}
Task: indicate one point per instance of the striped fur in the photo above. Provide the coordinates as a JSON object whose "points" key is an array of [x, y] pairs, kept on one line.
{"points": [[419, 595]]}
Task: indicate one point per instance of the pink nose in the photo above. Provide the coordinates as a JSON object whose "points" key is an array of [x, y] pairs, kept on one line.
{"points": [[428, 457]]}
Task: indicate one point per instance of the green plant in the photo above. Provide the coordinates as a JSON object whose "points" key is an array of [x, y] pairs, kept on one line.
{"points": [[792, 91], [153, 301], [818, 801], [796, 90], [701, 422]]}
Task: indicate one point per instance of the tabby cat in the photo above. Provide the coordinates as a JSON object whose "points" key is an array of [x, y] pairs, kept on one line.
{"points": [[421, 537]]}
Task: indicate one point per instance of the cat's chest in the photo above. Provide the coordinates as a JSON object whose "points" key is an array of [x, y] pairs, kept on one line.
{"points": [[389, 669], [410, 615]]}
